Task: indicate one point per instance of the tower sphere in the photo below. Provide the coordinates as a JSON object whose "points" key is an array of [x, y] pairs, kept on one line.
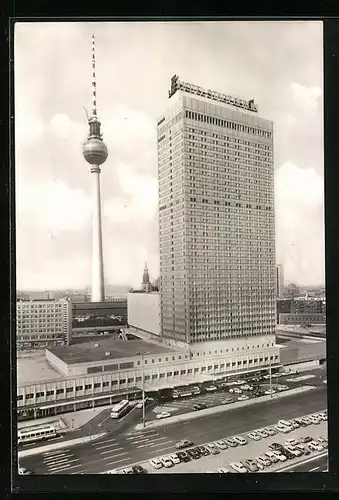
{"points": [[95, 151]]}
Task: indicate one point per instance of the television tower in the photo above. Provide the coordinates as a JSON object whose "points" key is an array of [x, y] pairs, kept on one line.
{"points": [[95, 153]]}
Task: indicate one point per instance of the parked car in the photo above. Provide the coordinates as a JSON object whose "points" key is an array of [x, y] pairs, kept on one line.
{"points": [[314, 446], [221, 444], [155, 462], [166, 462], [210, 388], [204, 451], [175, 459], [163, 414], [322, 441], [303, 449], [314, 419], [184, 443], [24, 472], [184, 457], [306, 439], [275, 446], [138, 469], [270, 431], [259, 464], [238, 467], [283, 428], [265, 461], [254, 435], [231, 442], [214, 450], [226, 400], [240, 440], [250, 465], [272, 456], [294, 450], [242, 397], [292, 441], [262, 433]]}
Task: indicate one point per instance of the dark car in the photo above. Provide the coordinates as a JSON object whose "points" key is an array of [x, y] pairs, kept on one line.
{"points": [[204, 451], [288, 454], [194, 453], [137, 469], [184, 456], [306, 439], [196, 407], [231, 442], [184, 443], [275, 446]]}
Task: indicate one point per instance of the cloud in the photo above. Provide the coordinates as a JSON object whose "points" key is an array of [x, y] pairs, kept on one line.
{"points": [[29, 130], [61, 124], [299, 197], [308, 98], [53, 206]]}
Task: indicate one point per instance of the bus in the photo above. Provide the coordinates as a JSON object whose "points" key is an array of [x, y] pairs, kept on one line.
{"points": [[183, 392], [38, 434], [120, 409]]}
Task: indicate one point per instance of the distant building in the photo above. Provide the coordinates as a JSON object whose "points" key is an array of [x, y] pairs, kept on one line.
{"points": [[280, 280], [292, 290], [302, 319], [301, 311], [43, 323], [93, 318], [143, 312], [146, 284]]}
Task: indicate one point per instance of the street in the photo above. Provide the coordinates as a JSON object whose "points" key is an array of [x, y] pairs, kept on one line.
{"points": [[118, 450]]}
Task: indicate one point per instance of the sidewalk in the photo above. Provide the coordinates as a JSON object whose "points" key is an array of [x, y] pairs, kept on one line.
{"points": [[58, 446], [222, 408]]}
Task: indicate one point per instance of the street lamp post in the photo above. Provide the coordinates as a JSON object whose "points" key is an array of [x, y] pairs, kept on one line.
{"points": [[270, 376], [143, 387]]}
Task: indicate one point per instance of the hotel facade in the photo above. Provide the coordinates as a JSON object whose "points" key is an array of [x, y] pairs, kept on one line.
{"points": [[216, 218]]}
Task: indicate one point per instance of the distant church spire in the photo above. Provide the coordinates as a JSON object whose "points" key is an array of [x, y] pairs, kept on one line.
{"points": [[145, 277]]}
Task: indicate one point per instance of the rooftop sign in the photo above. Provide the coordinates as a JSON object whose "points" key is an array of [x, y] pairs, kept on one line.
{"points": [[176, 84]]}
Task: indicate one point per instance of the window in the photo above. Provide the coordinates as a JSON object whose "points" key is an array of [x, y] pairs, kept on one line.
{"points": [[203, 368], [162, 375], [152, 360], [137, 379], [169, 374], [130, 380], [159, 360], [176, 372], [147, 377], [182, 372], [59, 391], [123, 381], [19, 397], [69, 389], [105, 384], [39, 394], [29, 396], [154, 376], [96, 385], [128, 364], [114, 382], [49, 393]]}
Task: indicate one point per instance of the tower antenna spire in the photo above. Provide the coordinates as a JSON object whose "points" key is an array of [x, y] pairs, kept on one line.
{"points": [[94, 92]]}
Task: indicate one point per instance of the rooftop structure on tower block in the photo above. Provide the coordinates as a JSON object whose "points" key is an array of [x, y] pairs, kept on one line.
{"points": [[95, 153], [216, 218]]}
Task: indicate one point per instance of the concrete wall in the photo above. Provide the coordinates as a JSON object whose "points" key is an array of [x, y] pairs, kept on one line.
{"points": [[303, 352], [143, 311]]}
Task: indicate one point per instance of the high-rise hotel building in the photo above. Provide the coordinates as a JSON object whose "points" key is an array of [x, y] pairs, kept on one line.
{"points": [[216, 218]]}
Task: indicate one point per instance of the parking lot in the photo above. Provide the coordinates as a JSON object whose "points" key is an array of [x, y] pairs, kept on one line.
{"points": [[252, 449], [222, 396]]}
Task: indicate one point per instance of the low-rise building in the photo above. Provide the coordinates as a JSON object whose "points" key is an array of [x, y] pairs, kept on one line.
{"points": [[41, 323], [91, 374], [143, 312], [303, 319]]}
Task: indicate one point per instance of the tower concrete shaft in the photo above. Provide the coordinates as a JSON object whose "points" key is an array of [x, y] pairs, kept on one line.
{"points": [[98, 285]]}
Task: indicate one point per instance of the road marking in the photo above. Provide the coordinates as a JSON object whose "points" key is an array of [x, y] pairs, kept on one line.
{"points": [[65, 466], [106, 441], [152, 445], [142, 445], [68, 467], [118, 461], [56, 452], [314, 468], [75, 466], [53, 457], [165, 448], [140, 440], [104, 420], [110, 451], [107, 446], [117, 455], [51, 464]]}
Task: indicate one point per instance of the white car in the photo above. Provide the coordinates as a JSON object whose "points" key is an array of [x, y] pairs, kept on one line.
{"points": [[322, 441], [254, 435], [163, 414], [265, 461], [210, 388], [267, 393], [292, 449], [222, 470], [314, 419], [283, 428], [258, 464], [238, 467], [270, 431], [155, 462], [273, 457], [175, 459], [240, 440], [314, 446], [166, 462], [242, 397], [220, 444], [280, 456], [323, 415]]}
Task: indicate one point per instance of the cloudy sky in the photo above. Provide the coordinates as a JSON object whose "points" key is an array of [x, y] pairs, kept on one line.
{"points": [[277, 63]]}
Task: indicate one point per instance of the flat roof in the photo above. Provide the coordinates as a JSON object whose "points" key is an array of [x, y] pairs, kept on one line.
{"points": [[31, 370], [86, 352]]}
